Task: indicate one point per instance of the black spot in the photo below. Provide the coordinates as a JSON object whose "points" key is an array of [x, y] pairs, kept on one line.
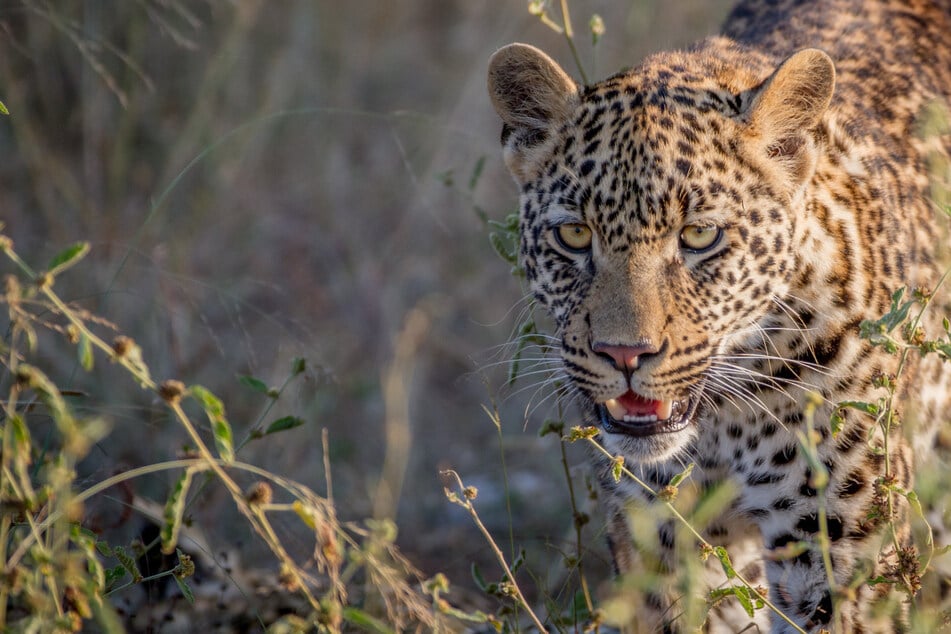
{"points": [[592, 132], [851, 435], [807, 491], [784, 504], [684, 166], [685, 148], [586, 167], [717, 531], [757, 479], [757, 247], [784, 455], [666, 537], [654, 600], [823, 611], [854, 483], [810, 524]]}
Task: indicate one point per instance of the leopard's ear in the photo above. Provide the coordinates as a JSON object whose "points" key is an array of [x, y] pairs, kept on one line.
{"points": [[788, 106], [532, 95]]}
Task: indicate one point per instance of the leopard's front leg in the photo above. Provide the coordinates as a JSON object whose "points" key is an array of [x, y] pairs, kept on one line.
{"points": [[824, 543], [666, 577]]}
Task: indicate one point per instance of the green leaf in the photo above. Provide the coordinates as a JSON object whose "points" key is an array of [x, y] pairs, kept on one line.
{"points": [[724, 558], [224, 440], [283, 424], [915, 504], [174, 510], [255, 384], [868, 408], [552, 427], [85, 352], [476, 173], [209, 402], [85, 541], [683, 475], [877, 331], [579, 608], [21, 445], [509, 225], [3, 108], [742, 595], [114, 574], [362, 619], [186, 591], [127, 562], [68, 257], [836, 422], [504, 248], [220, 428], [478, 577], [518, 562], [298, 365]]}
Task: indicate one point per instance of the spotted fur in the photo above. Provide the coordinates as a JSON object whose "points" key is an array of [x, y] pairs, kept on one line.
{"points": [[815, 174]]}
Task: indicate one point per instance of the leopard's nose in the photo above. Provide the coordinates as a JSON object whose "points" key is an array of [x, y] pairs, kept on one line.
{"points": [[625, 358]]}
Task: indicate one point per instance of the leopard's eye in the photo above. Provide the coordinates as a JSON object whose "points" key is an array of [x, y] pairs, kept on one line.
{"points": [[700, 238], [574, 236]]}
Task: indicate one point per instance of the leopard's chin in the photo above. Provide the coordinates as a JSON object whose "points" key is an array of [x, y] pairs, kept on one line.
{"points": [[675, 416]]}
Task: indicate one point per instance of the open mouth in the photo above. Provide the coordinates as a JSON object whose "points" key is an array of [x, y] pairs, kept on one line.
{"points": [[636, 415]]}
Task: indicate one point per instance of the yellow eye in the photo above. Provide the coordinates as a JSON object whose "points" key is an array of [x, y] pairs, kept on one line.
{"points": [[574, 236], [700, 237]]}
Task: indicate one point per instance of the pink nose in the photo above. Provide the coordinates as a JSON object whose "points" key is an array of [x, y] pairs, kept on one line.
{"points": [[625, 358]]}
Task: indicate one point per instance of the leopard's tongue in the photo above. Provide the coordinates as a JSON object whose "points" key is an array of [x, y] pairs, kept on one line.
{"points": [[631, 405]]}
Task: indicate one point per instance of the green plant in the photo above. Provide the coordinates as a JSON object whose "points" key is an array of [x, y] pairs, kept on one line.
{"points": [[54, 573]]}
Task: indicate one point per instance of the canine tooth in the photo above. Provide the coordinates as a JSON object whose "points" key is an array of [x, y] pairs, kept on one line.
{"points": [[663, 412], [616, 410]]}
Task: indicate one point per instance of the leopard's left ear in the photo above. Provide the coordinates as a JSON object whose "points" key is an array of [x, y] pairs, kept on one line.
{"points": [[787, 107], [533, 96]]}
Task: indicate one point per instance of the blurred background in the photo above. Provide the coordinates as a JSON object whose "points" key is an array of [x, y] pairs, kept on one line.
{"points": [[262, 181]]}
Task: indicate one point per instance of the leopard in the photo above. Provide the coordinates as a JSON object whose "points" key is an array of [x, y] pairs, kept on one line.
{"points": [[708, 231]]}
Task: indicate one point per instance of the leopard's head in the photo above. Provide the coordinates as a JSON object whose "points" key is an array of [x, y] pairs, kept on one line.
{"points": [[659, 219]]}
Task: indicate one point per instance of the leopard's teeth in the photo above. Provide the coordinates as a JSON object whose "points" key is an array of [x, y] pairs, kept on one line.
{"points": [[616, 410], [666, 407]]}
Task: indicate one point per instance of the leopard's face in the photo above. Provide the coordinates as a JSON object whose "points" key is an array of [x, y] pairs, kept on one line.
{"points": [[658, 232]]}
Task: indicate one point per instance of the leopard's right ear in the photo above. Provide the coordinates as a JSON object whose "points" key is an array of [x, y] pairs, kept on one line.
{"points": [[532, 95]]}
